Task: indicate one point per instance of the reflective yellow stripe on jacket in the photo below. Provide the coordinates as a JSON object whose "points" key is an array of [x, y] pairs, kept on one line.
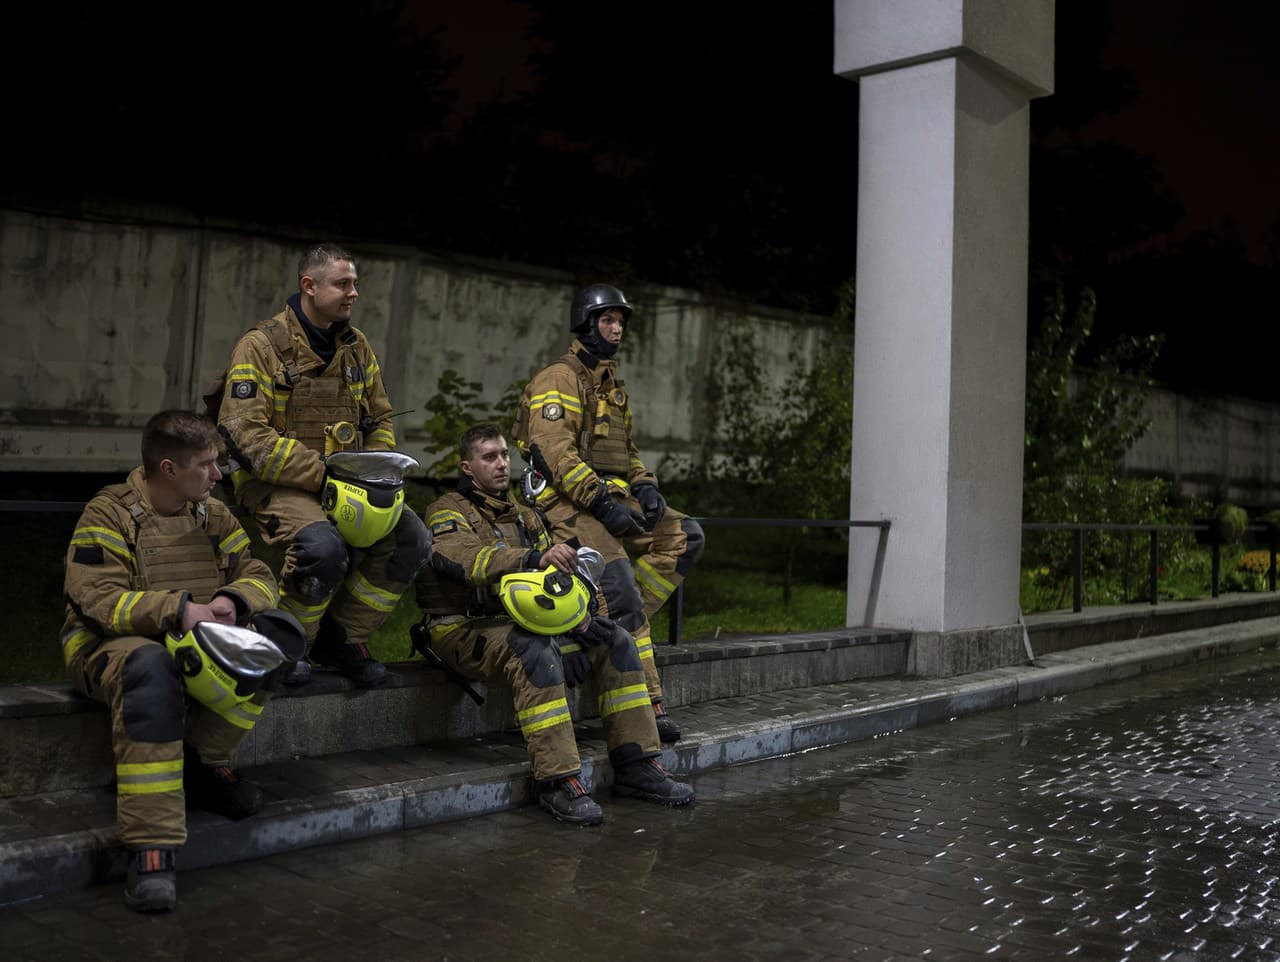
{"points": [[569, 402]]}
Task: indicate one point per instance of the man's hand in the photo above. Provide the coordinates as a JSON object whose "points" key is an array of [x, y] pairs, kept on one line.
{"points": [[651, 502], [597, 631], [574, 661], [560, 555], [221, 609], [621, 522]]}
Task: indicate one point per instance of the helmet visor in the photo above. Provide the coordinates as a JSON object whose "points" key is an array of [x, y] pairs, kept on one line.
{"points": [[590, 565], [370, 467], [243, 653]]}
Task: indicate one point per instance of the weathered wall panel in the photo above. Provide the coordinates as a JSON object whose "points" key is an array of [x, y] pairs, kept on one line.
{"points": [[109, 323]]}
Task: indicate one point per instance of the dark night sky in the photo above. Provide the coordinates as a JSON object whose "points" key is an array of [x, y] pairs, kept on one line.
{"points": [[702, 144], [1206, 106]]}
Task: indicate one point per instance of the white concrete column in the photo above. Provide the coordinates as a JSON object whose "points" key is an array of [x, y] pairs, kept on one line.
{"points": [[940, 344]]}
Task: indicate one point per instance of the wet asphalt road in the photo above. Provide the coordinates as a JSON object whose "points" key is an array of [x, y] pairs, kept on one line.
{"points": [[1133, 821]]}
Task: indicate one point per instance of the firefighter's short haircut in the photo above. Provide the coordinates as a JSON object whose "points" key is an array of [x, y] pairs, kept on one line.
{"points": [[473, 435], [177, 436], [320, 256]]}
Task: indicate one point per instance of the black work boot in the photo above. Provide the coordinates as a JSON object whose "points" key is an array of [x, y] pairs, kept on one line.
{"points": [[299, 673], [354, 661], [668, 730], [151, 883], [219, 789], [566, 798], [646, 779]]}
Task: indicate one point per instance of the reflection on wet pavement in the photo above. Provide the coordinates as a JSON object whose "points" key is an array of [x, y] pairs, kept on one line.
{"points": [[1133, 821]]}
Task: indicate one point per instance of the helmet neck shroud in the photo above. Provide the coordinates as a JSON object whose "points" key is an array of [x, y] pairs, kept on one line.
{"points": [[584, 316]]}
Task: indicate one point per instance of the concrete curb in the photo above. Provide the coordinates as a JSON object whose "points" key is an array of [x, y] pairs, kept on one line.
{"points": [[857, 711]]}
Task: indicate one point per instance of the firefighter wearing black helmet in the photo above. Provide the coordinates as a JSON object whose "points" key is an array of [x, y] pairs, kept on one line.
{"points": [[574, 425]]}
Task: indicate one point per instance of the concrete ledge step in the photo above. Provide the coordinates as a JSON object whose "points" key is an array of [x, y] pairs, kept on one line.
{"points": [[1059, 630], [62, 840], [52, 739]]}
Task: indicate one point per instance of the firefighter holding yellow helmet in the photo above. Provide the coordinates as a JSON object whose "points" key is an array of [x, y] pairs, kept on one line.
{"points": [[500, 601], [297, 383], [170, 623], [574, 425]]}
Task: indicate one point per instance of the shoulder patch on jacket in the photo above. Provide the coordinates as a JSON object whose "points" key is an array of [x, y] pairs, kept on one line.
{"points": [[444, 527], [243, 389], [87, 554], [553, 412]]}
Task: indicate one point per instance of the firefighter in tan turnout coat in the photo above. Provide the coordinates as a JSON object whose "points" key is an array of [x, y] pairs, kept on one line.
{"points": [[149, 561], [574, 426], [298, 385], [501, 601]]}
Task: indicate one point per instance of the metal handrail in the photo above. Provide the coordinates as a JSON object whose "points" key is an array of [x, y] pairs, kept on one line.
{"points": [[675, 604], [1077, 552]]}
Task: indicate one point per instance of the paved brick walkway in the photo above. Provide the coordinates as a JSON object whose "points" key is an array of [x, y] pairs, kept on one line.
{"points": [[1131, 821]]}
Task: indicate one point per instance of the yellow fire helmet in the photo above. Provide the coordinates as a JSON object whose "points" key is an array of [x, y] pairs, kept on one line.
{"points": [[547, 602], [223, 666], [363, 493]]}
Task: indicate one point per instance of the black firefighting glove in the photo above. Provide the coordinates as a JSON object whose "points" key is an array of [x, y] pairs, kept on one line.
{"points": [[651, 502], [598, 632], [621, 522], [574, 660]]}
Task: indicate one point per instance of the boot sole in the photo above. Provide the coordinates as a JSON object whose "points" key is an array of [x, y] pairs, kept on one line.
{"points": [[151, 905], [641, 795], [587, 821]]}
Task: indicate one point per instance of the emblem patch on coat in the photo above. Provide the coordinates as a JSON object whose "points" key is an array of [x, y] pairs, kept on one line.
{"points": [[619, 397], [553, 412], [243, 389], [444, 527]]}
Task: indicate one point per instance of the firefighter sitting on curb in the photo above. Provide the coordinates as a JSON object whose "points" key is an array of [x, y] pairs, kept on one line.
{"points": [[500, 601], [158, 578], [296, 384], [574, 427]]}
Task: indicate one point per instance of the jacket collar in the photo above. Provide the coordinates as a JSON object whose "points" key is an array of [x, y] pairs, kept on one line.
{"points": [[590, 361], [495, 506]]}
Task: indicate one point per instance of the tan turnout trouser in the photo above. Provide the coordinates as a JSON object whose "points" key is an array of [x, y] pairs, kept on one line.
{"points": [[484, 649]]}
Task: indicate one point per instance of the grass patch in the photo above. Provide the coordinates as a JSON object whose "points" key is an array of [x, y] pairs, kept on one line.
{"points": [[34, 545], [738, 586], [751, 604]]}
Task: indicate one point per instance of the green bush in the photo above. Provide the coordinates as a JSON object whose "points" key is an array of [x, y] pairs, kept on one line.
{"points": [[1116, 564], [1229, 523]]}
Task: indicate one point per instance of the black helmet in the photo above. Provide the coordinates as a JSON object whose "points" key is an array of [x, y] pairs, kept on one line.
{"points": [[597, 297]]}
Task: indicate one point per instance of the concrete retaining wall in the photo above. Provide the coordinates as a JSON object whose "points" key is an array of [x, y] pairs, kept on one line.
{"points": [[106, 323]]}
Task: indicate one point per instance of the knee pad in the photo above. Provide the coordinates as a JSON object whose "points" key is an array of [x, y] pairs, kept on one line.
{"points": [[622, 595], [692, 548], [320, 562], [540, 660], [154, 709], [412, 550]]}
